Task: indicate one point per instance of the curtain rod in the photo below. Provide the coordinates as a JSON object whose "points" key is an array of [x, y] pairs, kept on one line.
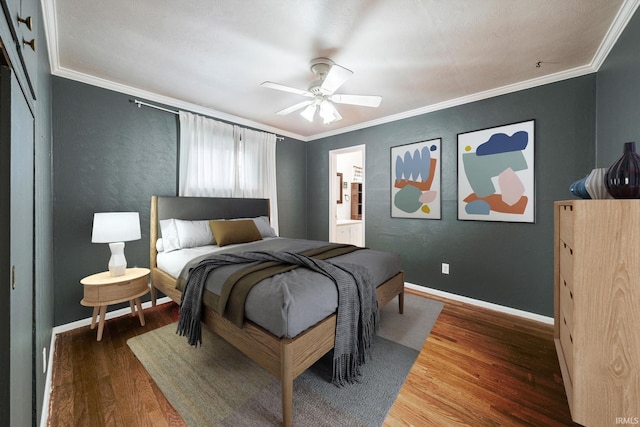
{"points": [[142, 103]]}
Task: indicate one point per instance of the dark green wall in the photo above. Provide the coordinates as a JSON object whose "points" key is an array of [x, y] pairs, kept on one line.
{"points": [[618, 100], [110, 155], [292, 188], [504, 263]]}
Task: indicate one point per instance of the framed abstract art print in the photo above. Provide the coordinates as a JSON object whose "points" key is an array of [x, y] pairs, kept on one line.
{"points": [[415, 180], [496, 173]]}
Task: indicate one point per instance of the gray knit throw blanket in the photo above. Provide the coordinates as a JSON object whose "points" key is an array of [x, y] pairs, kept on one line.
{"points": [[357, 314]]}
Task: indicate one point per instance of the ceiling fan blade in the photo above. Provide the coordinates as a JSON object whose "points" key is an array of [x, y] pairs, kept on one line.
{"points": [[295, 107], [363, 100], [336, 76], [284, 88]]}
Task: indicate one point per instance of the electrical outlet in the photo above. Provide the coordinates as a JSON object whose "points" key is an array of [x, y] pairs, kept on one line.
{"points": [[445, 268], [44, 360]]}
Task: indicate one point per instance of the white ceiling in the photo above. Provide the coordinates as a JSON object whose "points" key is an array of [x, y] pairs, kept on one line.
{"points": [[210, 56]]}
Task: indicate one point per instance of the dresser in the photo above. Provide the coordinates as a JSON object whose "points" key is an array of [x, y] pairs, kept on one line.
{"points": [[597, 308]]}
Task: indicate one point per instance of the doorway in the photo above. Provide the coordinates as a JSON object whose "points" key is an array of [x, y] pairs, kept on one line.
{"points": [[347, 195]]}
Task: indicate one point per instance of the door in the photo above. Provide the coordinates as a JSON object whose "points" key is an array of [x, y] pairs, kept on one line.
{"points": [[17, 139], [349, 164]]}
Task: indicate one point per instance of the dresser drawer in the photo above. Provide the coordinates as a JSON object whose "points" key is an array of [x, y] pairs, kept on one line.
{"points": [[566, 342], [566, 263], [566, 223], [566, 304]]}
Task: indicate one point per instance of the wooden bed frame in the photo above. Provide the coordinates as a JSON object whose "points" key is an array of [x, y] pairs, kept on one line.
{"points": [[285, 358]]}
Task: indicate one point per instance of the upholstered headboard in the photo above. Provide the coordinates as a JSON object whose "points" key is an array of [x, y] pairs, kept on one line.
{"points": [[200, 208]]}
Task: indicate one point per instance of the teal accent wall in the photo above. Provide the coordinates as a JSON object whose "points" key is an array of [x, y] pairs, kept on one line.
{"points": [[510, 264]]}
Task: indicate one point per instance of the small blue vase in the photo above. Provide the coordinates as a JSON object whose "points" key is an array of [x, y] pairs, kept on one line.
{"points": [[579, 188]]}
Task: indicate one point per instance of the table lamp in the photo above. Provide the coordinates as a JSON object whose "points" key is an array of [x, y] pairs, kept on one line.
{"points": [[115, 228]]}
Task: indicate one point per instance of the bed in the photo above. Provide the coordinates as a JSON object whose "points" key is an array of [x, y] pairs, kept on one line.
{"points": [[285, 353]]}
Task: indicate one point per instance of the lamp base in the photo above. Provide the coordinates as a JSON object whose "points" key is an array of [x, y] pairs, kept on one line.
{"points": [[117, 262]]}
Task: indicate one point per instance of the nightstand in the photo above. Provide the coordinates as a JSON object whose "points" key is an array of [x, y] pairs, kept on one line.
{"points": [[102, 289]]}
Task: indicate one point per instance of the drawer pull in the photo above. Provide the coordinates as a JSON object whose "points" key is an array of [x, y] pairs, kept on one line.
{"points": [[571, 294], [26, 21], [31, 43], [124, 283], [565, 245], [571, 338], [565, 282], [565, 320]]}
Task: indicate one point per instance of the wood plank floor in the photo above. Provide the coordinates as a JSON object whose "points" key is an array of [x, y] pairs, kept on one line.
{"points": [[477, 368]]}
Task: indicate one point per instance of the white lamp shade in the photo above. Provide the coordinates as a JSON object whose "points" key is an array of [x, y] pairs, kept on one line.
{"points": [[109, 227], [309, 112]]}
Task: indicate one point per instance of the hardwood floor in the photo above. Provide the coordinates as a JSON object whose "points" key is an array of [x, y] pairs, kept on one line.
{"points": [[483, 368], [102, 383], [477, 368]]}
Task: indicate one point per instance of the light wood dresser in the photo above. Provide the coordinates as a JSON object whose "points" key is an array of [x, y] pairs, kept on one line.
{"points": [[597, 308]]}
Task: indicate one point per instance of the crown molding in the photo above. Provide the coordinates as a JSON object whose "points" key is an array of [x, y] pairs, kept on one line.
{"points": [[527, 84], [169, 101], [198, 109], [621, 20], [618, 25]]}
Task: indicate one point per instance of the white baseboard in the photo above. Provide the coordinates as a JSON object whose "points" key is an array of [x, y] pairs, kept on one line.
{"points": [[69, 327], [44, 417], [110, 315], [480, 303]]}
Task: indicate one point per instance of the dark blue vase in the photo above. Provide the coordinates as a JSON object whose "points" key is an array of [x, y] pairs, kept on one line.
{"points": [[579, 188], [623, 177]]}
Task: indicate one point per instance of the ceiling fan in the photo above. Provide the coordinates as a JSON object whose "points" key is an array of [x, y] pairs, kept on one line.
{"points": [[330, 76]]}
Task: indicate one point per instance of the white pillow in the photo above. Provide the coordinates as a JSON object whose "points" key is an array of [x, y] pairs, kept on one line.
{"points": [[180, 233], [264, 227], [159, 245], [169, 233], [192, 234]]}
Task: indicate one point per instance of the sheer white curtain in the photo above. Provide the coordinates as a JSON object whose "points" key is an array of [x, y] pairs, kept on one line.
{"points": [[222, 160]]}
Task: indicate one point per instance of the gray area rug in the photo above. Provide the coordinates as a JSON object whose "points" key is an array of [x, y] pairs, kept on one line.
{"points": [[216, 385]]}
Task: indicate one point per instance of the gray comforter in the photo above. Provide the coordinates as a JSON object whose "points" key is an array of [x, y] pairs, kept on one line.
{"points": [[288, 304], [357, 312]]}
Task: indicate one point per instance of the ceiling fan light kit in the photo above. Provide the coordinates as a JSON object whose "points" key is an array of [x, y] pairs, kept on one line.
{"points": [[309, 112], [330, 76]]}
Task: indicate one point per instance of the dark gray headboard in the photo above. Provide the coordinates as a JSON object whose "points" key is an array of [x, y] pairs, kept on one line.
{"points": [[194, 208], [199, 208]]}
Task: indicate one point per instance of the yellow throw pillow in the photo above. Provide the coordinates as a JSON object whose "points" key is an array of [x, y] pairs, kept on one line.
{"points": [[229, 232]]}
